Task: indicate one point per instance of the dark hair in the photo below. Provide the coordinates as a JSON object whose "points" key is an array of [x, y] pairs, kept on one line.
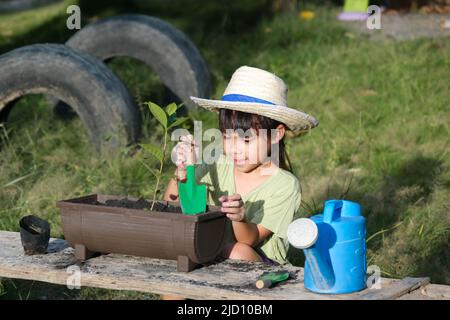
{"points": [[232, 119]]}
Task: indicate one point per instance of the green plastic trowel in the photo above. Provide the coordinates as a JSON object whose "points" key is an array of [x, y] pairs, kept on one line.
{"points": [[192, 196]]}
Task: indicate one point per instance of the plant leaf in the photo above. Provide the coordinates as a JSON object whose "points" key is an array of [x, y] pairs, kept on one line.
{"points": [[178, 121], [151, 170], [171, 108], [158, 113], [154, 151]]}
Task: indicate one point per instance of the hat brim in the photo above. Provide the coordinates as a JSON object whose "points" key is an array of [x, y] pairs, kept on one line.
{"points": [[295, 120]]}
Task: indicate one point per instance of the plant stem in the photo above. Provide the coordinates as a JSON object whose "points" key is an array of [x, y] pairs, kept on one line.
{"points": [[158, 178]]}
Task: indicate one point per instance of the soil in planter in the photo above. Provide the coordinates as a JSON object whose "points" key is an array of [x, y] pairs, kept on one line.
{"points": [[140, 204]]}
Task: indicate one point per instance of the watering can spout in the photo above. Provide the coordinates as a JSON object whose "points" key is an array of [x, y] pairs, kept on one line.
{"points": [[303, 234], [321, 270]]}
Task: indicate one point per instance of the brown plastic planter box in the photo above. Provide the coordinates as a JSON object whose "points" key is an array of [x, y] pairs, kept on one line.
{"points": [[90, 227]]}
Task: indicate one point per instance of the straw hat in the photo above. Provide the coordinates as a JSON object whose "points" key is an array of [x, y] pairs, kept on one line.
{"points": [[257, 91]]}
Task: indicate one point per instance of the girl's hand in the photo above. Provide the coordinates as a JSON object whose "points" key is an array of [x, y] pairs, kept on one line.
{"points": [[185, 154], [233, 206]]}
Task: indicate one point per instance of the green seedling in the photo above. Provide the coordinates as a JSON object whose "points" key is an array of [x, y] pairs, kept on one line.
{"points": [[168, 120]]}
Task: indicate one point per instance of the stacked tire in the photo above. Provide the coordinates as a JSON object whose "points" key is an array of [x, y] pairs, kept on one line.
{"points": [[77, 76]]}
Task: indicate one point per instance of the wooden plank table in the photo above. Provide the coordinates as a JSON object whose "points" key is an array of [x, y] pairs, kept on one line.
{"points": [[228, 279]]}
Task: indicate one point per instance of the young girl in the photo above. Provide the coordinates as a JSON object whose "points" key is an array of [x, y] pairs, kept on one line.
{"points": [[254, 186]]}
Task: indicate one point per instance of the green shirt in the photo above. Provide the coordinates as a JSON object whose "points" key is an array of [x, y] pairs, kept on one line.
{"points": [[271, 204]]}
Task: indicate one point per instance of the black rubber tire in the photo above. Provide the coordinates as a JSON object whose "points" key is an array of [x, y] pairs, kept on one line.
{"points": [[162, 47], [93, 91]]}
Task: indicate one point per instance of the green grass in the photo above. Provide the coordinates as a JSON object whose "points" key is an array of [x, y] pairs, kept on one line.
{"points": [[13, 25], [383, 138]]}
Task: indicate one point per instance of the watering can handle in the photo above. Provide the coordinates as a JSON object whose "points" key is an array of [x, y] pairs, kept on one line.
{"points": [[332, 210]]}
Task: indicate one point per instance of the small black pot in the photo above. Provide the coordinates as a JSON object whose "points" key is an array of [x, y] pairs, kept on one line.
{"points": [[35, 234]]}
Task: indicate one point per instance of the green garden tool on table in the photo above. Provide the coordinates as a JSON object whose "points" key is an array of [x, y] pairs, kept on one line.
{"points": [[192, 196], [270, 279]]}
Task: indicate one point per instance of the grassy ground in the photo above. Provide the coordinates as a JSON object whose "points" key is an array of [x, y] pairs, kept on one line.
{"points": [[383, 138]]}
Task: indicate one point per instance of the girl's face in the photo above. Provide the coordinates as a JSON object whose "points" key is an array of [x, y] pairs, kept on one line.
{"points": [[248, 149]]}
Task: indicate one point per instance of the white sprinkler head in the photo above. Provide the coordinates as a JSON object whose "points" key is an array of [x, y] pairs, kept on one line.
{"points": [[302, 233]]}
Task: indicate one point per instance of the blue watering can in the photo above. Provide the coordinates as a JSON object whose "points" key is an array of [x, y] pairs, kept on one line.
{"points": [[334, 244]]}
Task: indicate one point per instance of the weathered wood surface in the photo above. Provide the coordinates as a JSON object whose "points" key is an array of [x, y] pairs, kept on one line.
{"points": [[396, 289], [223, 280], [429, 292]]}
